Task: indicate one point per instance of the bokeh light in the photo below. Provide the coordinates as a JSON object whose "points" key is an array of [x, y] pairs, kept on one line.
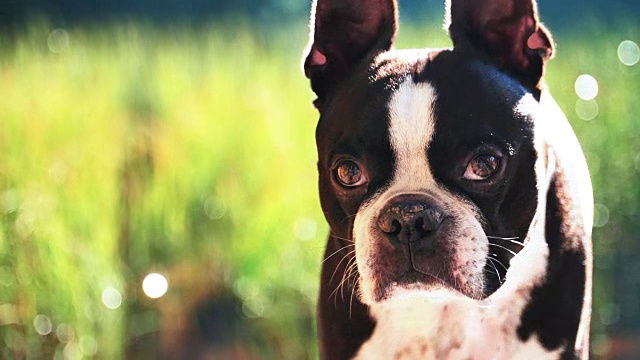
{"points": [[600, 344], [111, 298], [601, 215], [65, 333], [155, 285], [58, 41], [43, 325], [72, 351], [628, 53], [88, 345], [214, 208], [305, 228], [586, 87], [253, 309], [587, 109]]}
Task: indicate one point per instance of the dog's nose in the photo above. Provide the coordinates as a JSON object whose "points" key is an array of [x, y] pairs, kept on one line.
{"points": [[408, 220]]}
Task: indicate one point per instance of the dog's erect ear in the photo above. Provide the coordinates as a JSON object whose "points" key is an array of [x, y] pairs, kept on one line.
{"points": [[343, 32], [508, 31]]}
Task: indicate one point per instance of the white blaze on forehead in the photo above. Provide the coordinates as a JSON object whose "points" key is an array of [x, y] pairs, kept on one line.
{"points": [[411, 127]]}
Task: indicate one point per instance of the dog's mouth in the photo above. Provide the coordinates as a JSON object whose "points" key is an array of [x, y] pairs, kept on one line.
{"points": [[419, 240], [417, 269], [421, 273], [411, 271]]}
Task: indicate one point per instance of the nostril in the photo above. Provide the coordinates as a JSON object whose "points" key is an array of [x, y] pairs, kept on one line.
{"points": [[395, 227], [389, 224], [430, 220]]}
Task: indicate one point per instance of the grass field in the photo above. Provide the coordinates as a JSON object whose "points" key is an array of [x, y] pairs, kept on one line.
{"points": [[127, 150]]}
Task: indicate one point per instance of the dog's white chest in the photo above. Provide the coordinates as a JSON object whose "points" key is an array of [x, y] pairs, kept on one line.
{"points": [[443, 324], [440, 325]]}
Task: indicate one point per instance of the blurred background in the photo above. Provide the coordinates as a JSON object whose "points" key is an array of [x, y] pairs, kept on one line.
{"points": [[158, 185]]}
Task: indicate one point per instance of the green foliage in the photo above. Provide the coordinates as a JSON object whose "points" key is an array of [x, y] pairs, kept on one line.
{"points": [[612, 146], [191, 153], [132, 151]]}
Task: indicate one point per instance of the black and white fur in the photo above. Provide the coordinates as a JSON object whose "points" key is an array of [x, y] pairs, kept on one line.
{"points": [[487, 267]]}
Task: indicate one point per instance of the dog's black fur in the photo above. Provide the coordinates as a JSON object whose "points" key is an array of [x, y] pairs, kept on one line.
{"points": [[499, 54]]}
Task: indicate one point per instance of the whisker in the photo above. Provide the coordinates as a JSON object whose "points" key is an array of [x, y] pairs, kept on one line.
{"points": [[502, 237], [353, 292], [334, 293], [495, 268], [353, 273], [499, 263], [341, 260], [337, 251], [344, 278], [341, 238], [491, 273], [502, 247], [347, 274], [511, 240]]}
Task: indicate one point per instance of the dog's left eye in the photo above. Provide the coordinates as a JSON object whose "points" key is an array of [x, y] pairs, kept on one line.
{"points": [[482, 167], [348, 173]]}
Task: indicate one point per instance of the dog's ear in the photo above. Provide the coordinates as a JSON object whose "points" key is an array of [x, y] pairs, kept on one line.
{"points": [[343, 32], [507, 31]]}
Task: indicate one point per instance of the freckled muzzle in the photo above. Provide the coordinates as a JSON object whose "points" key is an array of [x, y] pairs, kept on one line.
{"points": [[424, 240], [409, 219]]}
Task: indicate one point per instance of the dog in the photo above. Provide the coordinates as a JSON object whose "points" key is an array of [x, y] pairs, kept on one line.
{"points": [[456, 192]]}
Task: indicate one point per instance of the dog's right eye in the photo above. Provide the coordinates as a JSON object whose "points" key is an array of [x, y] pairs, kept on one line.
{"points": [[348, 173], [482, 167]]}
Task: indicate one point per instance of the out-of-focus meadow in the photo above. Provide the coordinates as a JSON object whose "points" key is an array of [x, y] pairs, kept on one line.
{"points": [[130, 149]]}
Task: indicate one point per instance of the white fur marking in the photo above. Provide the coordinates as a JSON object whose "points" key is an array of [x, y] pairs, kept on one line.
{"points": [[411, 128]]}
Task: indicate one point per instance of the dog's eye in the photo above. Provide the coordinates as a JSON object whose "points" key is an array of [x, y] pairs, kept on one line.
{"points": [[482, 167], [348, 173]]}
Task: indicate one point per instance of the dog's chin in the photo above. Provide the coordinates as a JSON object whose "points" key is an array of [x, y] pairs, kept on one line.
{"points": [[415, 282], [403, 289]]}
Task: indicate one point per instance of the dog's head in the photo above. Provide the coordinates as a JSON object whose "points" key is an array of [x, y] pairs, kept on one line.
{"points": [[428, 159]]}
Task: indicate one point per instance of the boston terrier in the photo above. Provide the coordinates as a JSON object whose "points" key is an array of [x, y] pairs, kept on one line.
{"points": [[457, 194]]}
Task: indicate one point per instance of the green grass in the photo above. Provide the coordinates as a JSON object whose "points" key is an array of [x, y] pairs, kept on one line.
{"points": [[135, 151], [191, 153]]}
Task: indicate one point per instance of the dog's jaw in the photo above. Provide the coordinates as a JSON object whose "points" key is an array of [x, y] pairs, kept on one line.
{"points": [[411, 127]]}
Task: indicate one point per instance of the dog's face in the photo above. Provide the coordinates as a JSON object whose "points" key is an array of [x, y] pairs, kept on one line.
{"points": [[424, 157], [427, 158]]}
